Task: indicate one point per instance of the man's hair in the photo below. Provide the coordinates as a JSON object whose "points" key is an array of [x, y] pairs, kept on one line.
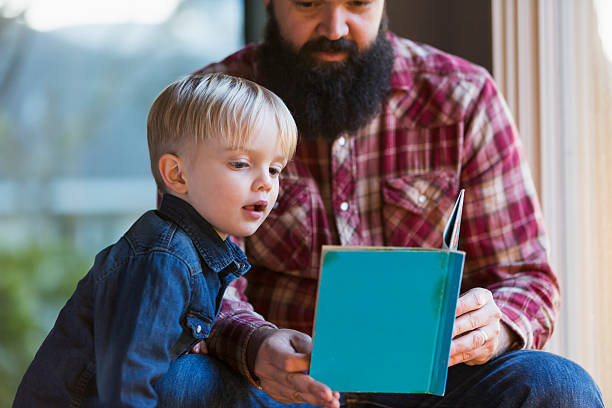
{"points": [[198, 107]]}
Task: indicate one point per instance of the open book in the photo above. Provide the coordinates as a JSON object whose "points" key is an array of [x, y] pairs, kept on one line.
{"points": [[385, 315]]}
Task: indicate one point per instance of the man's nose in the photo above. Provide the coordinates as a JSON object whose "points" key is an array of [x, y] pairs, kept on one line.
{"points": [[333, 23]]}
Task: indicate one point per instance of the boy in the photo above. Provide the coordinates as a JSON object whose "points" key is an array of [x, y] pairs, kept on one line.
{"points": [[217, 146]]}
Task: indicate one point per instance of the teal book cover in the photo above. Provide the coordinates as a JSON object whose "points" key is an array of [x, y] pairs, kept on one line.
{"points": [[385, 316]]}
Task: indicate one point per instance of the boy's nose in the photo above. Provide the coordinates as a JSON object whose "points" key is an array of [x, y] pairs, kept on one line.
{"points": [[332, 23], [263, 182]]}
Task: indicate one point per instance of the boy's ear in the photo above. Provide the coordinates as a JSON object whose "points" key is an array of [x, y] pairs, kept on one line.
{"points": [[172, 172]]}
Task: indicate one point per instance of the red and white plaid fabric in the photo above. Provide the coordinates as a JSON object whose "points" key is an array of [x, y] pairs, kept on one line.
{"points": [[443, 127]]}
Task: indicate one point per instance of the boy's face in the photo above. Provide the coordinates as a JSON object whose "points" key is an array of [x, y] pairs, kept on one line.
{"points": [[234, 190]]}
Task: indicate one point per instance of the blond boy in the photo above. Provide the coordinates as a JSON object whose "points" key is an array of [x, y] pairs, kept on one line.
{"points": [[217, 146]]}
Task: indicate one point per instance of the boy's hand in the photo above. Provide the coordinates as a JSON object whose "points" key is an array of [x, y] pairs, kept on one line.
{"points": [[280, 365], [200, 348]]}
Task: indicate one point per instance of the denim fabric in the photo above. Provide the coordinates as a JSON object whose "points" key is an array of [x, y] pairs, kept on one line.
{"points": [[146, 300], [525, 379], [197, 381]]}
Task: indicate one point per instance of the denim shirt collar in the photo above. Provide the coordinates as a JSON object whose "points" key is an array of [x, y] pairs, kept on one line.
{"points": [[217, 253]]}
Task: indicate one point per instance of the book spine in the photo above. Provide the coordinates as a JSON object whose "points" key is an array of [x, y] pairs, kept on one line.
{"points": [[454, 272]]}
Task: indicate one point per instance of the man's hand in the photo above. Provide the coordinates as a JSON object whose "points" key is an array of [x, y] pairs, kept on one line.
{"points": [[478, 334], [280, 364]]}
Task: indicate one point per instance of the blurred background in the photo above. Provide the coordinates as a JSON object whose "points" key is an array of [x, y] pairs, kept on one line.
{"points": [[77, 78]]}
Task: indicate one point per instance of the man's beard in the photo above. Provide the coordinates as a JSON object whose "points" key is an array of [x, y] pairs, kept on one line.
{"points": [[327, 98]]}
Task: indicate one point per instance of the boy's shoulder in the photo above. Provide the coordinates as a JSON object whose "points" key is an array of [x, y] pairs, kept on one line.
{"points": [[152, 233]]}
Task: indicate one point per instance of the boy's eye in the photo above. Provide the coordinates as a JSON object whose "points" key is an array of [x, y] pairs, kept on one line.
{"points": [[239, 164], [274, 171]]}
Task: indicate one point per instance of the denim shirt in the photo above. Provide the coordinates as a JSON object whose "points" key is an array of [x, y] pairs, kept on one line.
{"points": [[147, 299]]}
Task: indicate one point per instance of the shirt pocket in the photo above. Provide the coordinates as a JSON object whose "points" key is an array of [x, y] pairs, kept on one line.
{"points": [[198, 324], [284, 241], [206, 291], [201, 312], [196, 327], [415, 208]]}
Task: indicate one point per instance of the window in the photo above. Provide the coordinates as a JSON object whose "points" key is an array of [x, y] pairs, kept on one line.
{"points": [[77, 78], [550, 58]]}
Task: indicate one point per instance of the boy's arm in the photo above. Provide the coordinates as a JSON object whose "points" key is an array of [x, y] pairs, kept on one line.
{"points": [[137, 322], [236, 329]]}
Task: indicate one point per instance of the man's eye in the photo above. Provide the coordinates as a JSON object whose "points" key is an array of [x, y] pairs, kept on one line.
{"points": [[305, 4], [238, 164], [360, 3]]}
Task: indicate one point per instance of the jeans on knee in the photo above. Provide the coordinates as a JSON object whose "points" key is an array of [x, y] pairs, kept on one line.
{"points": [[525, 379], [197, 381]]}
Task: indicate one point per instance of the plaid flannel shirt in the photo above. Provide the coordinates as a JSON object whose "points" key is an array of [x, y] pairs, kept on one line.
{"points": [[444, 126]]}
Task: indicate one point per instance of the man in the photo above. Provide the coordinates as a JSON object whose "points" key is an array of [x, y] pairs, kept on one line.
{"points": [[390, 131]]}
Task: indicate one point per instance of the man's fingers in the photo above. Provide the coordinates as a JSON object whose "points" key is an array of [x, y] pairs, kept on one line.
{"points": [[479, 318], [474, 356], [468, 322], [473, 299], [476, 308], [470, 341], [476, 346], [478, 356]]}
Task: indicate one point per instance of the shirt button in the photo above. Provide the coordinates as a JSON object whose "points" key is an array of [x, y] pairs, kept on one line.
{"points": [[342, 141], [344, 206], [198, 329], [422, 198]]}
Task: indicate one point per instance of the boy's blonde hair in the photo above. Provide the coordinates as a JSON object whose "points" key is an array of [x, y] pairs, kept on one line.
{"points": [[198, 107]]}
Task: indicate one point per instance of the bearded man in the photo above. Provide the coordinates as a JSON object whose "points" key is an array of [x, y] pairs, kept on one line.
{"points": [[390, 131]]}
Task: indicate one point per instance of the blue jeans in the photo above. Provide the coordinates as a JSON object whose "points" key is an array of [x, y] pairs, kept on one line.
{"points": [[517, 379]]}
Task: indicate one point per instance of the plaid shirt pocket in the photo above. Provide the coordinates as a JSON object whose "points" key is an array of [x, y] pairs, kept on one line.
{"points": [[414, 208]]}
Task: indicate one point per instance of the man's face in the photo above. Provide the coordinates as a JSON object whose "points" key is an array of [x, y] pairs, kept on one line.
{"points": [[303, 21], [330, 61]]}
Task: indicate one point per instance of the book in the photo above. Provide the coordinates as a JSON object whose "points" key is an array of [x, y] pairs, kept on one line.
{"points": [[384, 316]]}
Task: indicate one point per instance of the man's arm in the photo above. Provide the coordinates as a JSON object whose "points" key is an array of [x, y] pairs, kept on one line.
{"points": [[503, 235]]}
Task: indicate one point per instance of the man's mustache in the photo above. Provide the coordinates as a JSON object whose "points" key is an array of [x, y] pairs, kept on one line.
{"points": [[323, 44]]}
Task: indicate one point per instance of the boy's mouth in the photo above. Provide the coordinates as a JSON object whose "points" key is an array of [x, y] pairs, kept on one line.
{"points": [[259, 206]]}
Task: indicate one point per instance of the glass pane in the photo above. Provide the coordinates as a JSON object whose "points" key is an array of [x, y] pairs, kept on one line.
{"points": [[604, 16], [77, 78]]}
